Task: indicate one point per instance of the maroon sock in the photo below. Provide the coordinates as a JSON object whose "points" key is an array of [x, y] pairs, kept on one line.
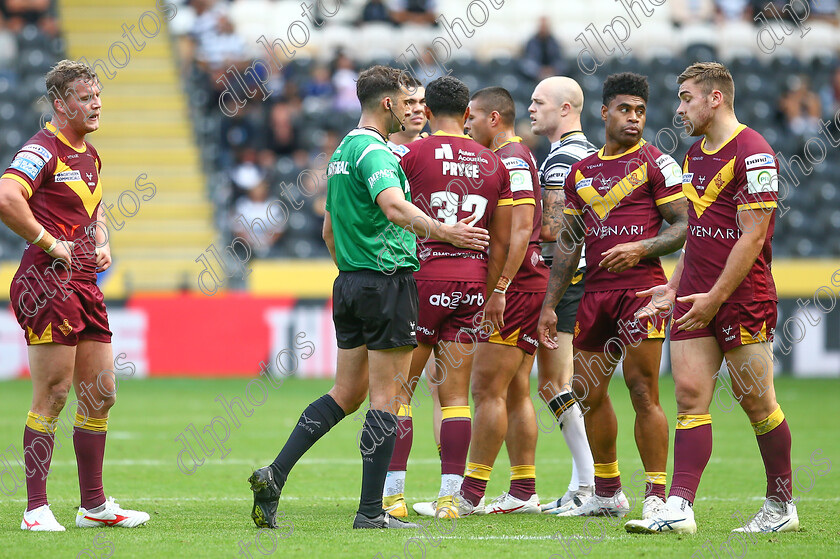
{"points": [[402, 446], [455, 433], [37, 455], [607, 486], [473, 489], [655, 490], [775, 451], [90, 452], [692, 450], [523, 488]]}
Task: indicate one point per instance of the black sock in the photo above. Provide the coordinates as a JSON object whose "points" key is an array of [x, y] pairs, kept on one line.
{"points": [[376, 445], [560, 403], [314, 423]]}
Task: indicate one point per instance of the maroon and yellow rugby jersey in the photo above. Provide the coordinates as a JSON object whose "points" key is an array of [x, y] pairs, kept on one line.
{"points": [[532, 276], [617, 197], [64, 196], [741, 175], [452, 177]]}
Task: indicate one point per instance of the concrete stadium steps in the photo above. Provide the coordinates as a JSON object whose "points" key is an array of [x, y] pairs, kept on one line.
{"points": [[145, 129]]}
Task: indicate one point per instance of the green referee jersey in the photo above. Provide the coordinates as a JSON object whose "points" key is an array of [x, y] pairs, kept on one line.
{"points": [[362, 167]]}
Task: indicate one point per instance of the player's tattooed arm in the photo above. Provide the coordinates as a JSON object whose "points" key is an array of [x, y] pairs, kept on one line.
{"points": [[624, 256], [566, 258], [672, 237], [554, 200]]}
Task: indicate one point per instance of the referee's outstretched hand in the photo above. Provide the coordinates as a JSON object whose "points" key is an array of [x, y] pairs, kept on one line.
{"points": [[464, 235]]}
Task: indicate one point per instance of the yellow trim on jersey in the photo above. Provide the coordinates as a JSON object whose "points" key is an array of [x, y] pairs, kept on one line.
{"points": [[653, 333], [450, 412], [404, 411], [442, 133], [511, 140], [602, 205], [670, 198], [524, 201], [572, 211], [768, 205], [656, 478], [732, 137], [577, 277], [607, 470], [523, 472], [478, 471], [716, 185], [19, 180], [622, 154], [41, 423], [91, 423], [44, 338], [496, 338], [49, 126], [769, 423], [505, 202], [688, 421], [89, 199], [748, 338]]}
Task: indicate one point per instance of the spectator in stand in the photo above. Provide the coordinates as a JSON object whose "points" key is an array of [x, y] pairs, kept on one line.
{"points": [[543, 56], [691, 12], [733, 10], [344, 81], [283, 132], [419, 12], [18, 13], [255, 206], [800, 108], [246, 173], [375, 11], [318, 90], [830, 95]]}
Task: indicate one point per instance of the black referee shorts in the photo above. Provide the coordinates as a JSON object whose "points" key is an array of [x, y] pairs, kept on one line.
{"points": [[375, 310], [566, 309]]}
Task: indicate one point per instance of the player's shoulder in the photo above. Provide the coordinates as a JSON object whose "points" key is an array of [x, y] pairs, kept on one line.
{"points": [[750, 142], [666, 164], [35, 154]]}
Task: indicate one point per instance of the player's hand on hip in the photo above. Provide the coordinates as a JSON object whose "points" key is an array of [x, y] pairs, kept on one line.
{"points": [[547, 328], [622, 257], [103, 258], [494, 310], [661, 303], [464, 235], [703, 310], [63, 251]]}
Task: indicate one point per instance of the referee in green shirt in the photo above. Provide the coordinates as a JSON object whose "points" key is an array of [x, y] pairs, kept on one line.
{"points": [[369, 228]]}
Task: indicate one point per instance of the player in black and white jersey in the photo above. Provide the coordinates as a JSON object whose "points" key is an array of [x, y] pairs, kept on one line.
{"points": [[556, 105]]}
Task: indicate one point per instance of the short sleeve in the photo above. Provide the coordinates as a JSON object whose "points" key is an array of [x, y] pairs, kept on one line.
{"points": [[505, 195], [553, 177], [378, 169], [665, 180], [574, 203], [29, 167], [521, 181], [758, 182]]}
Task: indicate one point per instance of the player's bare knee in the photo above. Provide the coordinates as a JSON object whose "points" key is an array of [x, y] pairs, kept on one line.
{"points": [[689, 397], [347, 400], [758, 407], [55, 397]]}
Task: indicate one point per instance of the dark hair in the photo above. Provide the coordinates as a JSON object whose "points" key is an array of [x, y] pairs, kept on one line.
{"points": [[377, 82], [498, 99], [447, 96], [625, 83]]}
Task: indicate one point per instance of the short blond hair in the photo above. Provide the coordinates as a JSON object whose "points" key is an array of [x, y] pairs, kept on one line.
{"points": [[710, 76], [65, 72]]}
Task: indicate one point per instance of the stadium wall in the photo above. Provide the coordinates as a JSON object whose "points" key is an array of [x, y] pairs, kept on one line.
{"points": [[237, 333]]}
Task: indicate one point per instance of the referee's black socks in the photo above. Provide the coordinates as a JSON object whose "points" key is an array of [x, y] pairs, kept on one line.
{"points": [[316, 420], [376, 444]]}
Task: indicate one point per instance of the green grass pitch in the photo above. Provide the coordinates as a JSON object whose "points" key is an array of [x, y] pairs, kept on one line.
{"points": [[206, 514]]}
